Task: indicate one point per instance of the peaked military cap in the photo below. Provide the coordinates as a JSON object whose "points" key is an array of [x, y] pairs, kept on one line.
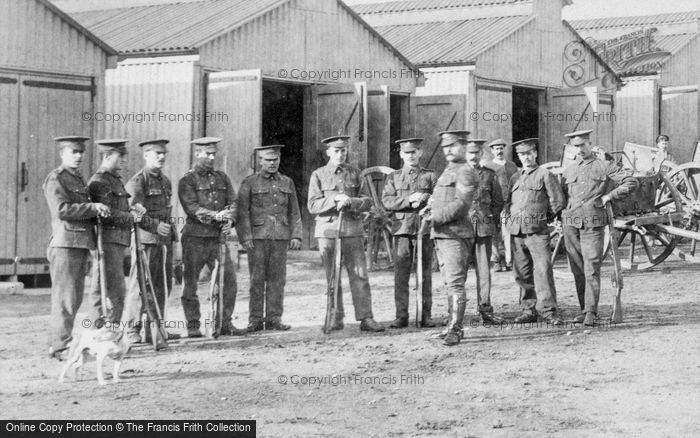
{"points": [[157, 144], [409, 144], [475, 145], [337, 141], [579, 137], [77, 142], [497, 142], [525, 145], [450, 137], [112, 145]]}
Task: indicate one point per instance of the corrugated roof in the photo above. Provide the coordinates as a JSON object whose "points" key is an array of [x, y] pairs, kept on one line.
{"points": [[451, 42], [171, 27], [424, 5], [634, 22]]}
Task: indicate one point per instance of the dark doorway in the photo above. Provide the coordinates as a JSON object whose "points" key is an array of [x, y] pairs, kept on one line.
{"points": [[398, 116], [283, 123], [526, 119]]}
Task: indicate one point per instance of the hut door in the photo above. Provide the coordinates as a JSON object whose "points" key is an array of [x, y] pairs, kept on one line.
{"points": [[234, 113], [332, 110], [494, 114], [11, 176], [678, 118], [378, 125], [48, 107], [430, 115]]}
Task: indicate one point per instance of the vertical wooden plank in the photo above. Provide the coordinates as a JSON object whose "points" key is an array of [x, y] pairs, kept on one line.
{"points": [[238, 95], [10, 175], [49, 107], [378, 142]]}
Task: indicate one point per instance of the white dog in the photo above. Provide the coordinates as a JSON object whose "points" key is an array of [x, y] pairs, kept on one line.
{"points": [[100, 344]]}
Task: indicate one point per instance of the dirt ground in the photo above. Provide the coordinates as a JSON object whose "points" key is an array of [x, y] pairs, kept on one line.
{"points": [[640, 378]]}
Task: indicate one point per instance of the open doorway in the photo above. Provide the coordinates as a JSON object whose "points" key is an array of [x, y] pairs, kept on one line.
{"points": [[283, 123], [398, 116], [526, 116]]}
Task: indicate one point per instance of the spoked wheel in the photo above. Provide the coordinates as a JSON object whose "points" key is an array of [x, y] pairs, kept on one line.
{"points": [[378, 221], [649, 245], [686, 179]]}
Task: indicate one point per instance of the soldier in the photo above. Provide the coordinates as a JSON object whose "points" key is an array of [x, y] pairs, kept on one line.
{"points": [[72, 239], [535, 196], [209, 201], [405, 192], [106, 186], [452, 230], [268, 222], [662, 158], [152, 189], [589, 184], [502, 255], [484, 214], [334, 187]]}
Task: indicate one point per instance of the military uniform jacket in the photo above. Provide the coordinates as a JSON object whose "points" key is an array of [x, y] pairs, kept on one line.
{"points": [[453, 196], [397, 188], [504, 172], [107, 187], [268, 208], [72, 214], [535, 197], [327, 182], [488, 202], [203, 193], [584, 183], [152, 189]]}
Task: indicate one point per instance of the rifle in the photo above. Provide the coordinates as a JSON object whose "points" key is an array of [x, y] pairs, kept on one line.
{"points": [[424, 224], [616, 278], [102, 272], [216, 291], [332, 295], [148, 293], [165, 278]]}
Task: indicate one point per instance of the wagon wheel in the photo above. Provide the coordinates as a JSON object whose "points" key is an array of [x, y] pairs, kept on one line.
{"points": [[686, 179], [648, 245], [379, 220]]}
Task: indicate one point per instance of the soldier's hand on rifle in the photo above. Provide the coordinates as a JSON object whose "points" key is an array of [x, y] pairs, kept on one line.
{"points": [[247, 245], [426, 213], [605, 199], [102, 210], [295, 244], [415, 198], [163, 229], [226, 227], [138, 211], [341, 201]]}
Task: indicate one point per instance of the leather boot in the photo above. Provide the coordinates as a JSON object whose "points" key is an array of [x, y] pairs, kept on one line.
{"points": [[454, 328]]}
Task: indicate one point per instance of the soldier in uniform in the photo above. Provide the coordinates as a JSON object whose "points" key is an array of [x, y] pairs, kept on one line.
{"points": [[269, 221], [535, 197], [452, 230], [334, 187], [152, 189], [484, 214], [106, 186], [406, 192], [502, 254], [209, 201], [589, 184], [72, 239]]}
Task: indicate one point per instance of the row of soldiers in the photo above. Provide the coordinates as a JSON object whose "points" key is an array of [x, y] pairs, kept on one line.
{"points": [[465, 209], [265, 213], [464, 205]]}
